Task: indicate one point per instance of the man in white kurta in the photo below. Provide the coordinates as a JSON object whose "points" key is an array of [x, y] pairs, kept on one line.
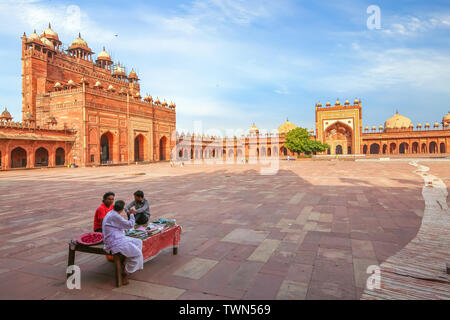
{"points": [[115, 240]]}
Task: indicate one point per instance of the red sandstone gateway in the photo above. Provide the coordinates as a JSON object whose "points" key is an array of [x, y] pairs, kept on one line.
{"points": [[69, 97]]}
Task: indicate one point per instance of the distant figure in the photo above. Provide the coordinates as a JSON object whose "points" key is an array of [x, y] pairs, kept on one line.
{"points": [[182, 164], [289, 158], [171, 163], [140, 207], [115, 240], [102, 210]]}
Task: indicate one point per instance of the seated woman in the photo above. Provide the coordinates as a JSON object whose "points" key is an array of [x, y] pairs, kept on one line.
{"points": [[115, 240]]}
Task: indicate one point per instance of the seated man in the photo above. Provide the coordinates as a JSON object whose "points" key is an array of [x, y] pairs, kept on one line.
{"points": [[140, 207], [102, 210], [115, 240]]}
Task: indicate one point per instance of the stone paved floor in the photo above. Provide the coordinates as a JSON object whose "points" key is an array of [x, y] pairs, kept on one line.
{"points": [[308, 232]]}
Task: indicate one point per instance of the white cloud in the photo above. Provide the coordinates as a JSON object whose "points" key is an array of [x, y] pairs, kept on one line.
{"points": [[412, 26], [418, 69], [66, 19], [235, 11]]}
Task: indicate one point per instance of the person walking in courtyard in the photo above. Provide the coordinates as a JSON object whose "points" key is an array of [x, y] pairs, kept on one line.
{"points": [[140, 207], [115, 240], [102, 210]]}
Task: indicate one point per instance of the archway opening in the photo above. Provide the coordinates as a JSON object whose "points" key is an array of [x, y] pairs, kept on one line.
{"points": [[339, 149], [392, 148], [423, 148], [41, 157], [415, 147], [374, 148], [365, 149], [442, 147], [60, 157], [18, 158], [433, 147], [139, 144], [384, 148], [403, 148], [162, 148], [106, 143]]}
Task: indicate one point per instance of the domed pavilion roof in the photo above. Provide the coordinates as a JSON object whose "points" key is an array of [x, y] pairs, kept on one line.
{"points": [[286, 127], [397, 121]]}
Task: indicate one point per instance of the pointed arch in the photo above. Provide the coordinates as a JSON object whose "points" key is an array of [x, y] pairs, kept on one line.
{"points": [[18, 158], [163, 148], [106, 147], [41, 157]]}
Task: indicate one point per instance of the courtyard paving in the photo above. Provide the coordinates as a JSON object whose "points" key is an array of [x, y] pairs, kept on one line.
{"points": [[307, 232]]}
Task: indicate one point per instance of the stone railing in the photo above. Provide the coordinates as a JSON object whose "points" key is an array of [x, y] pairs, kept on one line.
{"points": [[29, 126]]}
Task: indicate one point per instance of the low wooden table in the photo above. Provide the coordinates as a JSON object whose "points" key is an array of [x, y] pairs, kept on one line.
{"points": [[168, 238]]}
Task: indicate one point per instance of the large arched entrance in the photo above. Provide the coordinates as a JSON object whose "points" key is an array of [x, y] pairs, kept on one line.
{"points": [[18, 158], [339, 134], [41, 157], [442, 147], [338, 149], [106, 144], [139, 145], [162, 148], [60, 157]]}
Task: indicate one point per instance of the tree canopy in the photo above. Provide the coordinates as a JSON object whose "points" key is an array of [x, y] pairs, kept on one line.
{"points": [[299, 140]]}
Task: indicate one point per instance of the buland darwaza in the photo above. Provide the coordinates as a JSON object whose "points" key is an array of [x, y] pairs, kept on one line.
{"points": [[79, 111]]}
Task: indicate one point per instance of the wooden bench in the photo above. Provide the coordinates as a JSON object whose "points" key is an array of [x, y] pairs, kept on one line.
{"points": [[74, 246]]}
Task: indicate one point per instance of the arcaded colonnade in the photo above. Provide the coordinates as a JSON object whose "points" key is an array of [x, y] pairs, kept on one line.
{"points": [[32, 154]]}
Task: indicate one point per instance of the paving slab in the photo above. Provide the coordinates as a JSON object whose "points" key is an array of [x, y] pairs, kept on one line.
{"points": [[245, 235]]}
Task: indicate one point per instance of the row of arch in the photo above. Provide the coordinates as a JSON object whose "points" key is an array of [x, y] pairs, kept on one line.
{"points": [[405, 148], [212, 153], [19, 157], [140, 148]]}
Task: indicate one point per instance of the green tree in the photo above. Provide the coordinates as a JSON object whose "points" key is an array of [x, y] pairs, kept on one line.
{"points": [[299, 140]]}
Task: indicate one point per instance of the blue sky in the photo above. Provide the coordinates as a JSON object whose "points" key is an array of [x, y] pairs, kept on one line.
{"points": [[230, 63]]}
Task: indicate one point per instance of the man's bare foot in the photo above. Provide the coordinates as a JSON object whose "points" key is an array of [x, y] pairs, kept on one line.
{"points": [[125, 275], [125, 279]]}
